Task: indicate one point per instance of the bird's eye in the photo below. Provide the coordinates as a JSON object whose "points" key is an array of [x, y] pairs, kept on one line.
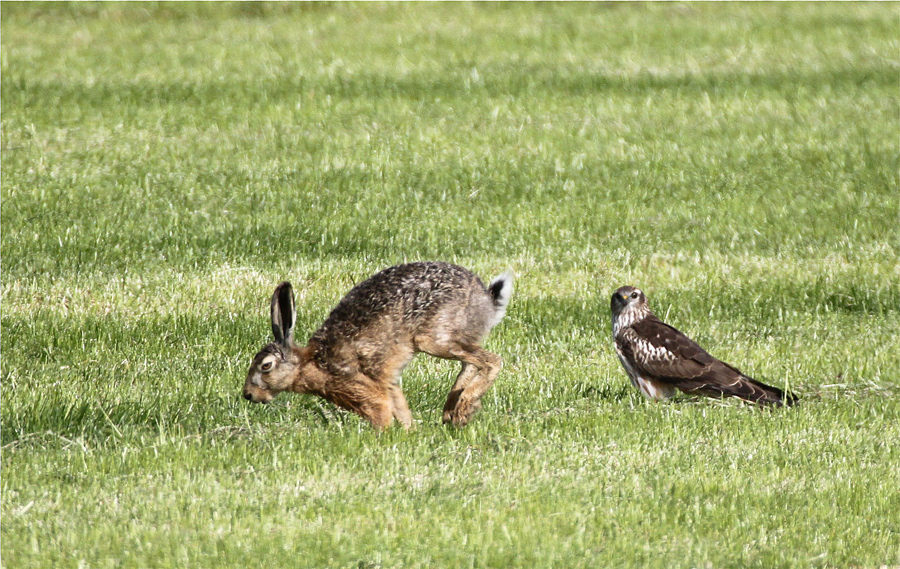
{"points": [[267, 366], [634, 295]]}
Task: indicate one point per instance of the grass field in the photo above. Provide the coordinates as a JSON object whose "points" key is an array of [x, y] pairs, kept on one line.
{"points": [[164, 166]]}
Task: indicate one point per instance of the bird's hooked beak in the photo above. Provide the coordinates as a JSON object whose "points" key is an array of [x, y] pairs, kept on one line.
{"points": [[619, 301], [623, 297]]}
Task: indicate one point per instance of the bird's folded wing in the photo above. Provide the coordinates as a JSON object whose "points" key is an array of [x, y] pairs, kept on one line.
{"points": [[665, 352]]}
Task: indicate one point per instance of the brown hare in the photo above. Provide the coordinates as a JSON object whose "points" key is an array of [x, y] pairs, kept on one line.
{"points": [[355, 358]]}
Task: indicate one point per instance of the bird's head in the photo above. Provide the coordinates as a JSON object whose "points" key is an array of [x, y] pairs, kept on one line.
{"points": [[629, 300]]}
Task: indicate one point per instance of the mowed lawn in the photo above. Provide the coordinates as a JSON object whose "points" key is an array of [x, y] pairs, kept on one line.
{"points": [[164, 166]]}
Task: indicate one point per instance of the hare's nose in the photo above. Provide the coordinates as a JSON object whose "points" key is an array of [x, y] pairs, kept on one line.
{"points": [[247, 396]]}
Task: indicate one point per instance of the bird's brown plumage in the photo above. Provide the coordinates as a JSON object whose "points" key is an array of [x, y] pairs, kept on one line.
{"points": [[658, 357]]}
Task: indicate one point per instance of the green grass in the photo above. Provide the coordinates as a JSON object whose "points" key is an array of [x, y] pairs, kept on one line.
{"points": [[164, 166]]}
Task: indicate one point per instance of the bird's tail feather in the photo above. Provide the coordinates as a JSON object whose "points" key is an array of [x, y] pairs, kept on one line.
{"points": [[758, 392]]}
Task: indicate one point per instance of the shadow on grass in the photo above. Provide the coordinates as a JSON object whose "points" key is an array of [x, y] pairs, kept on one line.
{"points": [[72, 423], [500, 79], [609, 392]]}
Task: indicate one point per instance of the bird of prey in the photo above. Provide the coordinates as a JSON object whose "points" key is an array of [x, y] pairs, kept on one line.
{"points": [[658, 358]]}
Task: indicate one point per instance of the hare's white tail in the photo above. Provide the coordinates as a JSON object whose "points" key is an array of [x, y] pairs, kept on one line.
{"points": [[501, 289]]}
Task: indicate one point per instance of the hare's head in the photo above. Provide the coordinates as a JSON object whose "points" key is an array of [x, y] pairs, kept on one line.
{"points": [[275, 366]]}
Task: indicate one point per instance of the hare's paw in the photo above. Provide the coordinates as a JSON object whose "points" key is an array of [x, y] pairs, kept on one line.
{"points": [[462, 413]]}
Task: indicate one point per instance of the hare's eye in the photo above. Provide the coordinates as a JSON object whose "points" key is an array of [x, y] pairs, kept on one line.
{"points": [[267, 366]]}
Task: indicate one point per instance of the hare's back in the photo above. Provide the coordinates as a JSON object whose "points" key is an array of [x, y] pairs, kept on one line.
{"points": [[406, 294]]}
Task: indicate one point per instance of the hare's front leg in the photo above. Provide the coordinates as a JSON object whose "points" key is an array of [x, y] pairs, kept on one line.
{"points": [[382, 402], [399, 407], [378, 412], [369, 399]]}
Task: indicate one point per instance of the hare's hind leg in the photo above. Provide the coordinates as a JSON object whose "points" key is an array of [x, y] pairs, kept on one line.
{"points": [[480, 369], [466, 374]]}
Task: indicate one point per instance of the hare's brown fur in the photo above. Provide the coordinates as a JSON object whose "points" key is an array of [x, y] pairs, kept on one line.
{"points": [[355, 358]]}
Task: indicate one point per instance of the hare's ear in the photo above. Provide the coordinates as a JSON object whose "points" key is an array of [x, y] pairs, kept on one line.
{"points": [[283, 314]]}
